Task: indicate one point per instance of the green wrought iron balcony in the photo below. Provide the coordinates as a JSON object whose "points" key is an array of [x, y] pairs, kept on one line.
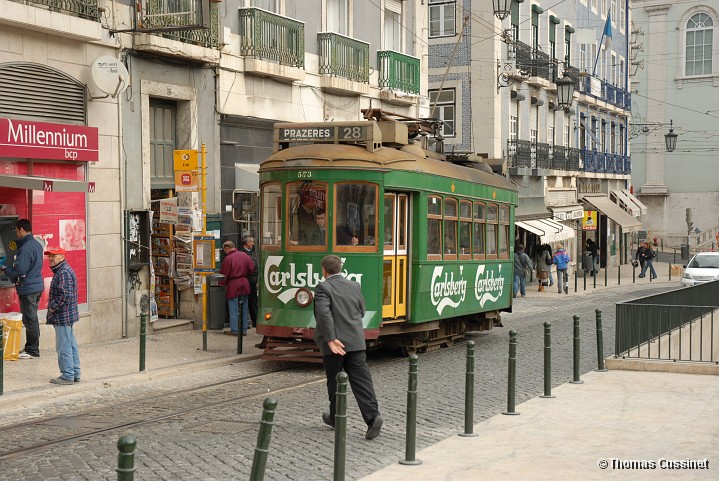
{"points": [[205, 37], [342, 56], [82, 8], [398, 71], [267, 36]]}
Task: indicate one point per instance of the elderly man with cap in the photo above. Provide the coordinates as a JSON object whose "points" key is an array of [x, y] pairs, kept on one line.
{"points": [[62, 313]]}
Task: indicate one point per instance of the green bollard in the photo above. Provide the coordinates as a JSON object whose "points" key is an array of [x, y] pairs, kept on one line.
{"points": [[411, 430], [585, 280], [594, 277], [2, 358], [634, 274], [469, 393], [259, 462], [511, 373], [606, 275], [126, 458], [619, 275], [143, 339], [670, 271], [600, 343], [576, 379], [340, 427], [575, 280], [547, 360]]}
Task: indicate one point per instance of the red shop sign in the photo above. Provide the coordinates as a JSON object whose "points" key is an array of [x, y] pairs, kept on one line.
{"points": [[42, 140]]}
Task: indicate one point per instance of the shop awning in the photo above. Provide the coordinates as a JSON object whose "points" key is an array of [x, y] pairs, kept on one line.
{"points": [[567, 212], [628, 202], [47, 184], [613, 211], [547, 230], [531, 208]]}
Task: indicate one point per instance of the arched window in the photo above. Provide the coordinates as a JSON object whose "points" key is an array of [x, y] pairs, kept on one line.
{"points": [[699, 41]]}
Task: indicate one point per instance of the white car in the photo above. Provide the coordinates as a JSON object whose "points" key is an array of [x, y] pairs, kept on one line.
{"points": [[703, 267]]}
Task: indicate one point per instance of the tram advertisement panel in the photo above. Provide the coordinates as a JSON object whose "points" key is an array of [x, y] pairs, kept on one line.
{"points": [[450, 290]]}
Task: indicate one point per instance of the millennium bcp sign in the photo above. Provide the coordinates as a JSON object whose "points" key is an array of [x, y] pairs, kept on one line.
{"points": [[43, 140]]}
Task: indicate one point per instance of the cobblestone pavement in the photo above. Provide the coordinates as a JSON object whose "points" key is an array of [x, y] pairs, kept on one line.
{"points": [[217, 443]]}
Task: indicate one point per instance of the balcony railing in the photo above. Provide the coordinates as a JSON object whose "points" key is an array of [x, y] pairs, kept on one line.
{"points": [[605, 163], [533, 62], [398, 71], [519, 153], [82, 8], [206, 37], [557, 157], [342, 56], [572, 154], [264, 35], [606, 92]]}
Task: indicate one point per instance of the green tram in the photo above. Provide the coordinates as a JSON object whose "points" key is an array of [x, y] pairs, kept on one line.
{"points": [[429, 241]]}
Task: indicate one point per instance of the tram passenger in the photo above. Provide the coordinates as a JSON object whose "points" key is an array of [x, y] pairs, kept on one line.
{"points": [[313, 234], [345, 237]]}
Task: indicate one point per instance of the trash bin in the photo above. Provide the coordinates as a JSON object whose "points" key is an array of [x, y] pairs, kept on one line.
{"points": [[685, 252], [11, 333], [216, 301], [587, 262]]}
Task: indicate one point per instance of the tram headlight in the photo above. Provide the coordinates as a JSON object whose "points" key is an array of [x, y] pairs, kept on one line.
{"points": [[303, 297]]}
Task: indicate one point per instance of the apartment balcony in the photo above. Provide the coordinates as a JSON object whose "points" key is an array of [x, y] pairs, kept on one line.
{"points": [[605, 163], [78, 19], [572, 154], [399, 73], [273, 45], [557, 157], [534, 63], [600, 90], [344, 64]]}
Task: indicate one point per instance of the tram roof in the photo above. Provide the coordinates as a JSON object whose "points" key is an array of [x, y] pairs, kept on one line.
{"points": [[351, 157]]}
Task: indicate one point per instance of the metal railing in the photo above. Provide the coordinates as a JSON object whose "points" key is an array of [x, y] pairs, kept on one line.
{"points": [[679, 325], [265, 35], [82, 8], [398, 71], [533, 62], [342, 56], [206, 37]]}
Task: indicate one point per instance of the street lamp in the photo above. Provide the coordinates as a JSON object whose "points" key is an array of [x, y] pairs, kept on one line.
{"points": [[565, 91], [501, 8], [671, 138]]}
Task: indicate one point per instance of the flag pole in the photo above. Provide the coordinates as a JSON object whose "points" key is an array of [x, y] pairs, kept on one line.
{"points": [[601, 41]]}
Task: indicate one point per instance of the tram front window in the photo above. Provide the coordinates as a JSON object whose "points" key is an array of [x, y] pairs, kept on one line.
{"points": [[355, 214], [307, 204]]}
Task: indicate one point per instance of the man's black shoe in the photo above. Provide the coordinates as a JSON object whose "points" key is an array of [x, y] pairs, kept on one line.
{"points": [[328, 420], [374, 428]]}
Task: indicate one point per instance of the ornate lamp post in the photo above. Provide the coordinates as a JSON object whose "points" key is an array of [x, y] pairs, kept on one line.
{"points": [[671, 138], [501, 8], [565, 91]]}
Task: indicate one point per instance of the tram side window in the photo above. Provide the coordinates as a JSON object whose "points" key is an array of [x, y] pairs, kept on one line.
{"points": [[450, 229], [465, 229], [434, 227], [355, 214], [492, 230], [307, 203], [271, 215], [478, 236], [504, 232]]}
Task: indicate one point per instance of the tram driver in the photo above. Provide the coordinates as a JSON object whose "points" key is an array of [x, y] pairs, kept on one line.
{"points": [[314, 234]]}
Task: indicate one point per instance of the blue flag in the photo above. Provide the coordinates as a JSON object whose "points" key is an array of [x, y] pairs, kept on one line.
{"points": [[608, 31]]}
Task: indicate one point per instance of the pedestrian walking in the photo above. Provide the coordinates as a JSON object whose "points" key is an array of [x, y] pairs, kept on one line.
{"points": [[339, 309], [26, 273], [62, 314], [640, 255], [522, 266], [248, 247], [649, 256], [562, 260], [543, 263], [594, 251], [236, 267]]}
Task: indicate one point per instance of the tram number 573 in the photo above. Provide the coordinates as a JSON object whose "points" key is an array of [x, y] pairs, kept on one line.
{"points": [[304, 174]]}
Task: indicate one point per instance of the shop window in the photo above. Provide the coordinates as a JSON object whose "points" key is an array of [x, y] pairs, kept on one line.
{"points": [[434, 227], [307, 214], [355, 216], [450, 229], [492, 231], [478, 230], [271, 216]]}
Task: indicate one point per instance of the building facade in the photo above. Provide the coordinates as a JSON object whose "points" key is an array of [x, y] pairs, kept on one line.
{"points": [[493, 82], [675, 78]]}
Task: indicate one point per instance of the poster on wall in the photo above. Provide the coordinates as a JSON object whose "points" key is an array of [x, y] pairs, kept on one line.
{"points": [[589, 221], [72, 234]]}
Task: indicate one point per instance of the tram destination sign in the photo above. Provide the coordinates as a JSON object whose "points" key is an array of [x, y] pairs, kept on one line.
{"points": [[344, 133]]}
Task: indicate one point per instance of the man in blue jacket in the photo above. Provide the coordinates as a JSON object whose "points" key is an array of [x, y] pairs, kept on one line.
{"points": [[26, 273]]}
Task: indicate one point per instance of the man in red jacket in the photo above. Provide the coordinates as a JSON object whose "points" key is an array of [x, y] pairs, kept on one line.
{"points": [[236, 268]]}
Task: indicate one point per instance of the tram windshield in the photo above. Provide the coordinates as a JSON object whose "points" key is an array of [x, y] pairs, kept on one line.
{"points": [[355, 214], [308, 213]]}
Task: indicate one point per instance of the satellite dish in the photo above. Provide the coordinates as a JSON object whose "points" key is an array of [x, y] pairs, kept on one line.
{"points": [[109, 75]]}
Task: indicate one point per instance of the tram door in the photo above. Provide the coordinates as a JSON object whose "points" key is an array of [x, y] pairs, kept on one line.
{"points": [[395, 271]]}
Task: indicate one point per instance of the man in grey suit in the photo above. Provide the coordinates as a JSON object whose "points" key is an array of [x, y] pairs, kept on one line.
{"points": [[339, 309]]}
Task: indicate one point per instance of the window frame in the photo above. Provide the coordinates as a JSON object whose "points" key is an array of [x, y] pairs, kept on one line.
{"points": [[711, 47], [494, 222], [442, 6], [332, 221], [266, 245], [446, 219], [482, 221], [439, 110], [503, 226], [466, 255], [435, 217], [288, 209]]}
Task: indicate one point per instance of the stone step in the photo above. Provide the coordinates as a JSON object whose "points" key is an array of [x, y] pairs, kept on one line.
{"points": [[165, 326]]}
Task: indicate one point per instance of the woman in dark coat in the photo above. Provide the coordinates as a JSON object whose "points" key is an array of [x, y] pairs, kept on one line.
{"points": [[640, 255]]}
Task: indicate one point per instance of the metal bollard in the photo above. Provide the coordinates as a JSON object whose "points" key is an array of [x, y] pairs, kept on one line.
{"points": [[670, 271], [634, 274], [340, 428], [126, 458], [547, 360], [600, 342], [619, 275], [575, 280], [143, 339], [675, 256], [606, 275], [594, 277], [585, 280], [576, 379], [411, 429], [259, 461], [239, 336], [469, 393], [511, 373]]}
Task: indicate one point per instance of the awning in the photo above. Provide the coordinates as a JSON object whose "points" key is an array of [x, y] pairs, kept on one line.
{"points": [[531, 208], [567, 212], [628, 202], [547, 230], [589, 131], [613, 211], [46, 184]]}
